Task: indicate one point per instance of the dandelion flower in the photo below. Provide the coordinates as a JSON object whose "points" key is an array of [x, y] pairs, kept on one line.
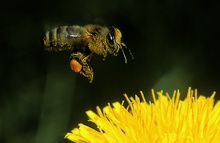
{"points": [[196, 119]]}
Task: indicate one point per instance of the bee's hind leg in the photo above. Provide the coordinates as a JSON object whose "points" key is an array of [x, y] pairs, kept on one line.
{"points": [[87, 70]]}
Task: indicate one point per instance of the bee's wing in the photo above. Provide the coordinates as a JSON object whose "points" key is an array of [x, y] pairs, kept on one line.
{"points": [[74, 32], [77, 37]]}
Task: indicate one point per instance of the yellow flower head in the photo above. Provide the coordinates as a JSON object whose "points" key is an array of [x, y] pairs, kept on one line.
{"points": [[196, 119]]}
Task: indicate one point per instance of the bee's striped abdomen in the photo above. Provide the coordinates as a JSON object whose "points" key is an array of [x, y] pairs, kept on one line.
{"points": [[57, 39]]}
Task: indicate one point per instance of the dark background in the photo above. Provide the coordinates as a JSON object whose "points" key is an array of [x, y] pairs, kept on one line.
{"points": [[175, 45]]}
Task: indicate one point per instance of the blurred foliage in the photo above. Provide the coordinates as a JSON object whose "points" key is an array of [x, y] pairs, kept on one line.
{"points": [[174, 44]]}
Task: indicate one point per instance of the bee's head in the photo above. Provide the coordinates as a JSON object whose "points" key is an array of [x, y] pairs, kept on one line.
{"points": [[113, 40]]}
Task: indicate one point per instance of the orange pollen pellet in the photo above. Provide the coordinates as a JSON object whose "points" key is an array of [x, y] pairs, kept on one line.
{"points": [[75, 65]]}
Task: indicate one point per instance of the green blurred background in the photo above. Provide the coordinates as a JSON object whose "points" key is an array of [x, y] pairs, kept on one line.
{"points": [[175, 45]]}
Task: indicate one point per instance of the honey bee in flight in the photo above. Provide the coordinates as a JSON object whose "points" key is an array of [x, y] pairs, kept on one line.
{"points": [[83, 42]]}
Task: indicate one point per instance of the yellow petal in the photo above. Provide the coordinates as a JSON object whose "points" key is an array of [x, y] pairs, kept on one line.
{"points": [[167, 119]]}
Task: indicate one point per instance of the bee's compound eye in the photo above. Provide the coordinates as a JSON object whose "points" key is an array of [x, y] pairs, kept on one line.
{"points": [[110, 39], [75, 65]]}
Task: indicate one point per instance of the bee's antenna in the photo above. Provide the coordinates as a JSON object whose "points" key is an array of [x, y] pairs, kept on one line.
{"points": [[132, 56], [124, 55]]}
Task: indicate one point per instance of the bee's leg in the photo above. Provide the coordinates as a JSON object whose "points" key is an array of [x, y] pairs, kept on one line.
{"points": [[87, 70], [104, 54]]}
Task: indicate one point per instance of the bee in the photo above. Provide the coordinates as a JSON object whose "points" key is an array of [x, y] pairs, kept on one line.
{"points": [[83, 42]]}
